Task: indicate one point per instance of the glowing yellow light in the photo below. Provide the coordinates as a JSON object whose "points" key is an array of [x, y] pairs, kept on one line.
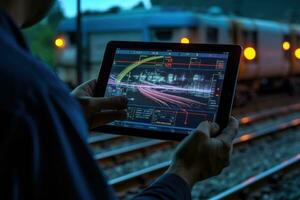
{"points": [[249, 53], [297, 53], [185, 40], [286, 45], [59, 42]]}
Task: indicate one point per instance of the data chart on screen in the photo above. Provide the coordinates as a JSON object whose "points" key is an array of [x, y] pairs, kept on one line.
{"points": [[167, 90]]}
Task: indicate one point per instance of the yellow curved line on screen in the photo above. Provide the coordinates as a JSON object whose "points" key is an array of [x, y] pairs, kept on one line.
{"points": [[133, 66]]}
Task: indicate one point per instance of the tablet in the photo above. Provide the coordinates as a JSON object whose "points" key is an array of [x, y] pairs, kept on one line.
{"points": [[170, 87]]}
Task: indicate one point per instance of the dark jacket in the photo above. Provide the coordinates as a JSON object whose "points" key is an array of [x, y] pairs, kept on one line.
{"points": [[43, 149]]}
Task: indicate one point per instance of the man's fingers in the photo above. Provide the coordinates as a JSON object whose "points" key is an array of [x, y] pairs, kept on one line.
{"points": [[90, 83], [108, 116], [116, 103], [85, 90], [203, 130], [214, 129], [230, 132], [207, 129]]}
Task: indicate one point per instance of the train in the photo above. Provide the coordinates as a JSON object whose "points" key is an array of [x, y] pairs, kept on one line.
{"points": [[271, 50]]}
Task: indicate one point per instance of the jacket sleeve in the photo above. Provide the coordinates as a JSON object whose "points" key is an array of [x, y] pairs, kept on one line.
{"points": [[167, 187], [43, 156]]}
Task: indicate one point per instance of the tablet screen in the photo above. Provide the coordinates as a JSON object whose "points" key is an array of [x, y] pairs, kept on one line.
{"points": [[167, 90]]}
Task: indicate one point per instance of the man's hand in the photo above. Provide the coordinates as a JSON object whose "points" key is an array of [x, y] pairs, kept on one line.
{"points": [[99, 110], [201, 155]]}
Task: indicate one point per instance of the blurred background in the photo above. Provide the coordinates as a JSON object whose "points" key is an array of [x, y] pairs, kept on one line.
{"points": [[265, 162]]}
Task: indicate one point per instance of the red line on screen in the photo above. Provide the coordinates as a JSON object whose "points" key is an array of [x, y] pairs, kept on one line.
{"points": [[174, 63]]}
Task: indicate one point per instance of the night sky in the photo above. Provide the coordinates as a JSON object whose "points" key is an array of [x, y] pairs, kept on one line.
{"points": [[69, 6]]}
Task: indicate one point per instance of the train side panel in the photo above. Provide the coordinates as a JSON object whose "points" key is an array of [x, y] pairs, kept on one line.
{"points": [[271, 60], [215, 29], [265, 37]]}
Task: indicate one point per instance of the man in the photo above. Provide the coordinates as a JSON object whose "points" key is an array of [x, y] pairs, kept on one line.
{"points": [[43, 149]]}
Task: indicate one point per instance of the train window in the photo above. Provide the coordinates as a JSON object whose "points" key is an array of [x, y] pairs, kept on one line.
{"points": [[163, 34], [212, 35]]}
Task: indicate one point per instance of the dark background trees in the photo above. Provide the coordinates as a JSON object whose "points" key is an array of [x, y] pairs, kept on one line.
{"points": [[40, 37]]}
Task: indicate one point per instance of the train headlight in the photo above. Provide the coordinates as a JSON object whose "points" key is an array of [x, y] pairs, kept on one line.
{"points": [[286, 45], [249, 53], [60, 42], [185, 40], [297, 53]]}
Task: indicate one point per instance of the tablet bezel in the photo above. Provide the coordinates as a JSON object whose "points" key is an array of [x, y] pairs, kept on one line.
{"points": [[227, 93]]}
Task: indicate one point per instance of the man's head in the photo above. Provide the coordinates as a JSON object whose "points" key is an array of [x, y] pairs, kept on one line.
{"points": [[26, 12], [37, 11]]}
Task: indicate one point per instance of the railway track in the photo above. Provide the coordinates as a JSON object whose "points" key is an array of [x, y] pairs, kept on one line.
{"points": [[139, 179], [99, 142], [270, 113], [111, 158], [125, 153], [246, 188], [103, 141]]}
